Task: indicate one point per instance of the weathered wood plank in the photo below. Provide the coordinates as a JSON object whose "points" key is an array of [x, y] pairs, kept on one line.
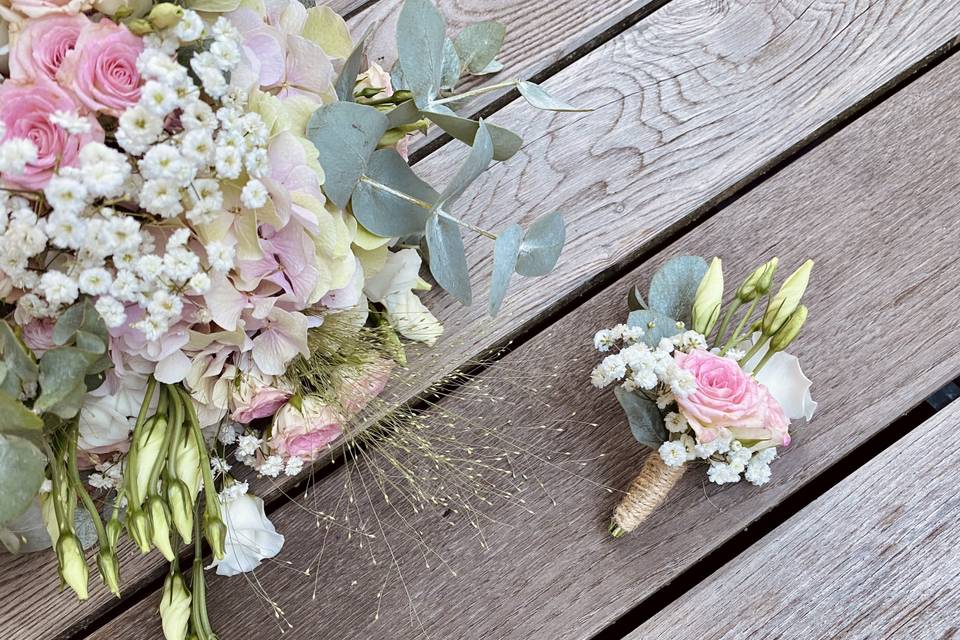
{"points": [[874, 206], [875, 557]]}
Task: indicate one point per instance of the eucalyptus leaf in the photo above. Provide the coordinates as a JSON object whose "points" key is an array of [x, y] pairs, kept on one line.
{"points": [[505, 251], [505, 142], [479, 43], [674, 287], [387, 214], [22, 467], [404, 113], [646, 421], [448, 263], [21, 369], [29, 530], [538, 97], [479, 158], [656, 326], [542, 244], [62, 381], [347, 80], [19, 421], [495, 66], [451, 65], [345, 135], [421, 32]]}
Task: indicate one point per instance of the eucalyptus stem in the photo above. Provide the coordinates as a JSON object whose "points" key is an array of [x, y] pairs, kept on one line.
{"points": [[426, 205], [478, 91]]}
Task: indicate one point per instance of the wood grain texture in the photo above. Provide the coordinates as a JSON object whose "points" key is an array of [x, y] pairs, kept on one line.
{"points": [[875, 557], [874, 206]]}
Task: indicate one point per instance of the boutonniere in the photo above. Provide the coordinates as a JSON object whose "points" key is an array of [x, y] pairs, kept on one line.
{"points": [[702, 382]]}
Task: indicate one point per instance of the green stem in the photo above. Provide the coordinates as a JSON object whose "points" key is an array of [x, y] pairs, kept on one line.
{"points": [[722, 331], [56, 480], [736, 337], [467, 225], [753, 351], [764, 360], [209, 490], [73, 476], [477, 92]]}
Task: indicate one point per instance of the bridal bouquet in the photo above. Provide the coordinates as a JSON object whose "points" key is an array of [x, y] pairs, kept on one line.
{"points": [[701, 381], [210, 237]]}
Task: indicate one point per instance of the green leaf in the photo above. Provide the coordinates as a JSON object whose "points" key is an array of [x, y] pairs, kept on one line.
{"points": [[542, 244], [421, 32], [345, 135], [656, 326], [448, 262], [538, 97], [387, 214], [505, 142], [495, 66], [674, 287], [481, 154], [19, 421], [479, 43], [646, 421], [21, 369], [404, 113], [21, 473], [635, 300], [505, 252], [62, 381], [347, 80], [28, 531], [451, 65]]}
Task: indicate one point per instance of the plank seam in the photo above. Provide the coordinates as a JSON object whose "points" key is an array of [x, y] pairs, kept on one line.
{"points": [[803, 496]]}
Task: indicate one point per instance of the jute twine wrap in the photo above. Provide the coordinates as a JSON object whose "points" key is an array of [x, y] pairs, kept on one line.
{"points": [[645, 494]]}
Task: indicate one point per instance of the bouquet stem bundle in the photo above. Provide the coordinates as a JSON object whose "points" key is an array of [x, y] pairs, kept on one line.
{"points": [[647, 491]]}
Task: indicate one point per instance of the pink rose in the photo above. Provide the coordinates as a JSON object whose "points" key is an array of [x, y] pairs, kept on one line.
{"points": [[305, 432], [363, 385], [41, 46], [729, 399], [26, 111], [253, 399], [40, 8], [102, 68]]}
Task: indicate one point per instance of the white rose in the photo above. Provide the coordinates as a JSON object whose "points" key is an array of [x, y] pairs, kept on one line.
{"points": [[109, 413], [400, 273], [251, 537]]}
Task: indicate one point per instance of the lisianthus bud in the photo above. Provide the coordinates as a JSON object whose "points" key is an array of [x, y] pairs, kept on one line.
{"points": [[138, 525], [175, 607], [139, 26], [73, 566], [788, 332], [109, 570], [785, 302], [160, 525], [216, 534], [186, 462], [165, 15], [706, 304], [114, 527], [180, 502], [758, 282], [148, 444]]}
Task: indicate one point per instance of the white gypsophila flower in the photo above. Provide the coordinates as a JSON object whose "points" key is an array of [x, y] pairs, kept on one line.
{"points": [[126, 286], [99, 481], [111, 310], [644, 379], [158, 98], [152, 327], [227, 434], [233, 491], [722, 473], [165, 162], [58, 288], [294, 467], [65, 230], [16, 154], [272, 466], [161, 198], [163, 304], [138, 129], [735, 354], [178, 238], [196, 146], [95, 281], [664, 400], [757, 473], [199, 283], [229, 162], [106, 179], [71, 122], [180, 264], [603, 340], [248, 444], [66, 195], [675, 422], [226, 53], [149, 267], [704, 450], [612, 368], [673, 453], [219, 466], [220, 256], [254, 194], [765, 456], [682, 383], [190, 26], [198, 115], [739, 455]]}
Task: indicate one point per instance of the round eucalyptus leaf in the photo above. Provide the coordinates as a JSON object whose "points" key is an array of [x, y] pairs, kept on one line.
{"points": [[538, 97], [505, 142], [674, 287], [506, 249], [29, 530], [656, 326], [478, 44], [451, 65], [541, 246], [448, 262], [385, 212], [646, 421], [481, 154], [21, 473], [421, 32]]}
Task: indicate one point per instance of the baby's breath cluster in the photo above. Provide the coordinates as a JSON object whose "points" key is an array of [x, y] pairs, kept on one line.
{"points": [[638, 366]]}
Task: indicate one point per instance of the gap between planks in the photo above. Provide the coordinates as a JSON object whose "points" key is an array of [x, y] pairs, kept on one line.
{"points": [[918, 270]]}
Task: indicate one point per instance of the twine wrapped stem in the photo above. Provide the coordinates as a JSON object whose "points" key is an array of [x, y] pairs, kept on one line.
{"points": [[645, 494]]}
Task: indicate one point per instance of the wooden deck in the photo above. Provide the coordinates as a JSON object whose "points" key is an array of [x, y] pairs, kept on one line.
{"points": [[744, 128]]}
